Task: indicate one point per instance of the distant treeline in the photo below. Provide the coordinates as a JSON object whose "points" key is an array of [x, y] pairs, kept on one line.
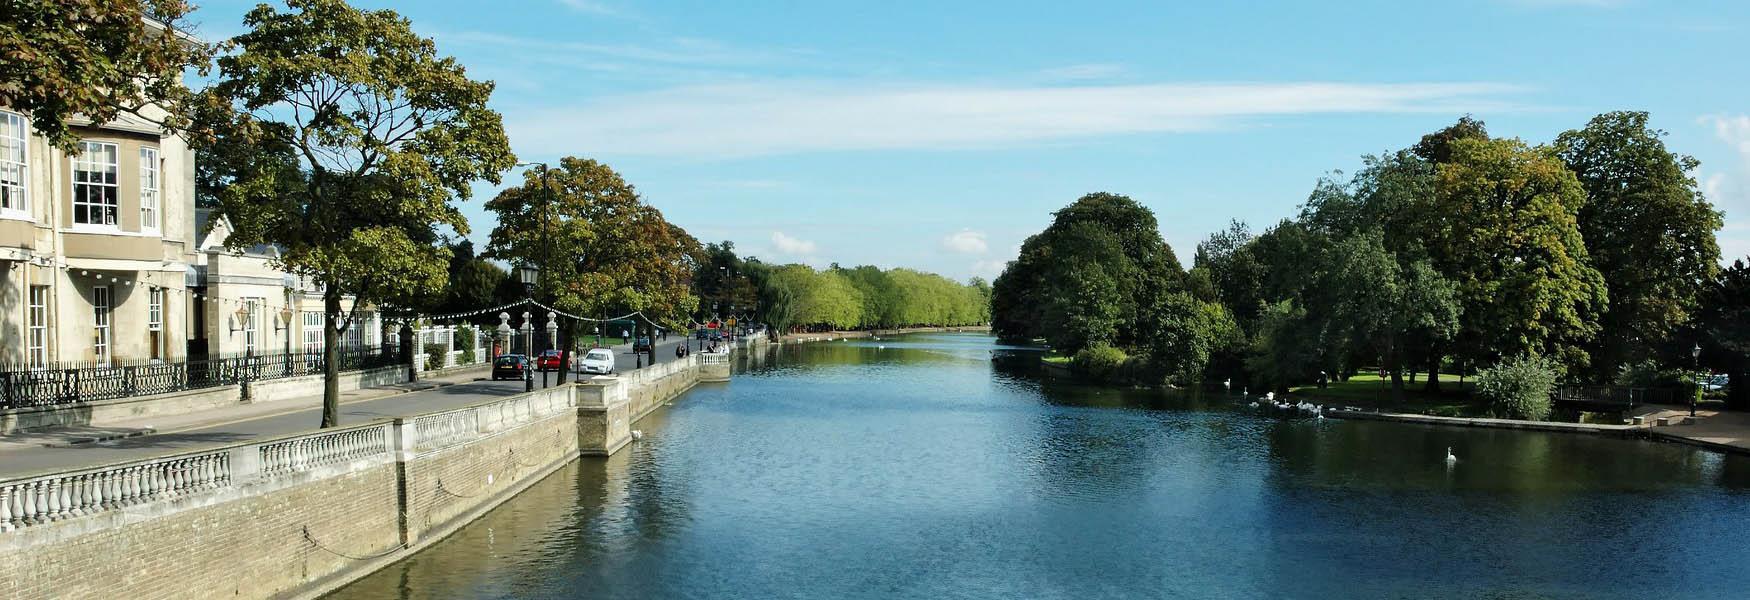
{"points": [[795, 296]]}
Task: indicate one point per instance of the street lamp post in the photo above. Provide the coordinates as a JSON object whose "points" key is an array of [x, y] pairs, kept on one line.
{"points": [[1696, 397], [529, 335], [552, 337]]}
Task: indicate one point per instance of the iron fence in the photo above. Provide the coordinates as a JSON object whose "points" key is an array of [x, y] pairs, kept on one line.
{"points": [[69, 383]]}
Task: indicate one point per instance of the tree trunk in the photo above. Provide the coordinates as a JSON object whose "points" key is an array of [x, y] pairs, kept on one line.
{"points": [[1738, 390], [331, 357], [1433, 385]]}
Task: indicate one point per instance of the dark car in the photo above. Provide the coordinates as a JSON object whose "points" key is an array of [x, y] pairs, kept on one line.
{"points": [[642, 345], [548, 361], [510, 366], [717, 336]]}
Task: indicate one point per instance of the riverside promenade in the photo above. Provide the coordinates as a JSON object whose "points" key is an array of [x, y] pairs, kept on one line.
{"points": [[61, 448], [297, 515], [1717, 430]]}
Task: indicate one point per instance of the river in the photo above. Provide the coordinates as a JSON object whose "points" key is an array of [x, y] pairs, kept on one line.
{"points": [[919, 467]]}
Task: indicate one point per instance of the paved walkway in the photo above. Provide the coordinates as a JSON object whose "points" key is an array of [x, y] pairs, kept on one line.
{"points": [[65, 448], [1718, 430]]}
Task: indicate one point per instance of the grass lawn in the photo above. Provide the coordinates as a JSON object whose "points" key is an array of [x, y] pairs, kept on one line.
{"points": [[1057, 360], [1369, 391]]}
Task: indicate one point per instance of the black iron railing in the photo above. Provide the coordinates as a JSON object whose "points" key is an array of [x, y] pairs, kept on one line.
{"points": [[1617, 394], [76, 382]]}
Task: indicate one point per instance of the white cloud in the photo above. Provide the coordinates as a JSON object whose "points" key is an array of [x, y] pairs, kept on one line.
{"points": [[966, 241], [1729, 189], [790, 245], [773, 117]]}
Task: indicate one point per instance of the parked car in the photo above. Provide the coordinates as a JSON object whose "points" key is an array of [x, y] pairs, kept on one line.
{"points": [[702, 334], [549, 360], [1715, 383], [716, 336], [641, 345], [510, 366], [599, 361]]}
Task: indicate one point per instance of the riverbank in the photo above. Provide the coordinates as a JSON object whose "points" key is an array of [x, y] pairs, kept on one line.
{"points": [[1719, 431]]}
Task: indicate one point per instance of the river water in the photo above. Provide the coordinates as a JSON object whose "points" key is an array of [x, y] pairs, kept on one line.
{"points": [[942, 466]]}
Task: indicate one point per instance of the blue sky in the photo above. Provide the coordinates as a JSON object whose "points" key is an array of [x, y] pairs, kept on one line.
{"points": [[938, 135]]}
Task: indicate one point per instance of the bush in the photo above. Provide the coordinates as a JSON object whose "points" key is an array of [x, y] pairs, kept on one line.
{"points": [[1519, 387], [1098, 362], [434, 356], [465, 341]]}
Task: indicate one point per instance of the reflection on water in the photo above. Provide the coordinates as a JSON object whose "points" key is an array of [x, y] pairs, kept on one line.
{"points": [[942, 466]]}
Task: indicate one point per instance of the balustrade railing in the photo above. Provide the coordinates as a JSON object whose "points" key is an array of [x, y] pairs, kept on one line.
{"points": [[449, 428], [74, 382], [318, 450], [49, 498]]}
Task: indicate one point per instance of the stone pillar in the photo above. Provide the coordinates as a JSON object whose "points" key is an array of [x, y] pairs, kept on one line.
{"points": [[603, 416]]}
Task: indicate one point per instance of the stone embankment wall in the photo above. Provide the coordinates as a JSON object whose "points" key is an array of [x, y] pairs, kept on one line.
{"points": [[299, 516]]}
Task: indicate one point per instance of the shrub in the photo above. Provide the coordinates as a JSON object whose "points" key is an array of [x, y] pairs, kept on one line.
{"points": [[1519, 387], [1098, 362], [465, 341], [434, 356]]}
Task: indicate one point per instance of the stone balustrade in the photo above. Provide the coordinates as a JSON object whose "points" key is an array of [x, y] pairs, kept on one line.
{"points": [[307, 452], [437, 431], [48, 498]]}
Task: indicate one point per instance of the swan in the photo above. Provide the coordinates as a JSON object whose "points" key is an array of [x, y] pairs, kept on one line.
{"points": [[1254, 404], [637, 434], [1227, 384], [1270, 396], [1450, 457]]}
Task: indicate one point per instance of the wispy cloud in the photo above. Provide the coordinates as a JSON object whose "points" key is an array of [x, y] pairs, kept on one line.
{"points": [[966, 241], [1729, 188], [671, 51], [792, 246], [762, 118]]}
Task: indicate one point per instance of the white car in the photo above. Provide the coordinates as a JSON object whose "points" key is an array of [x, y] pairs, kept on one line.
{"points": [[598, 361]]}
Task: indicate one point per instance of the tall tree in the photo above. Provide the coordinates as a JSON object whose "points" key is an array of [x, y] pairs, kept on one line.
{"points": [[1648, 229], [1502, 225], [97, 59], [601, 249], [340, 136]]}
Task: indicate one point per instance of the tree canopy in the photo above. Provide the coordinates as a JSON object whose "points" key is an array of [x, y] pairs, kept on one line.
{"points": [[600, 247], [340, 136], [97, 59]]}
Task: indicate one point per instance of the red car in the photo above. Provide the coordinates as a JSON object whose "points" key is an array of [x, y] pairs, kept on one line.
{"points": [[548, 361]]}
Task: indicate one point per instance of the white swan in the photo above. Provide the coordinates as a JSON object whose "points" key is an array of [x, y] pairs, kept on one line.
{"points": [[1270, 396], [1254, 404], [1227, 384], [1450, 457], [637, 434]]}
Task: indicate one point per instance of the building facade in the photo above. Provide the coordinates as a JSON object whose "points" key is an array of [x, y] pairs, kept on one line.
{"points": [[94, 244]]}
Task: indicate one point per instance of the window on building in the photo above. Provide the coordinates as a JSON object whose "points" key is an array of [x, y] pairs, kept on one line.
{"points": [[155, 322], [39, 326], [312, 331], [14, 170], [94, 184], [100, 303], [149, 189], [251, 323]]}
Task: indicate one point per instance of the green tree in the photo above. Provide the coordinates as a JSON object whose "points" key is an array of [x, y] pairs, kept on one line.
{"points": [[600, 247], [1087, 277], [1502, 225], [1724, 330], [97, 59], [340, 136], [1648, 229]]}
